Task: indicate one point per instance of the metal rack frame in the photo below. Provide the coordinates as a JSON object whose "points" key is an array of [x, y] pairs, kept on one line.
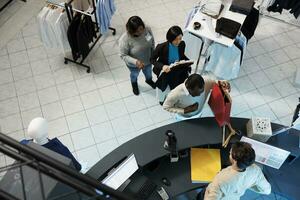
{"points": [[70, 11]]}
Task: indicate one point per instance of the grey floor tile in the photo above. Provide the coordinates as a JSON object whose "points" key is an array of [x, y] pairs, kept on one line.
{"points": [[9, 106], [83, 138], [77, 121], [6, 76], [29, 115], [7, 91], [21, 72], [122, 125], [4, 62], [91, 99], [97, 115], [48, 95], [44, 80], [29, 101], [105, 148], [89, 155], [67, 90], [141, 119], [18, 58], [110, 93], [25, 86], [53, 111], [103, 132], [116, 109], [11, 123], [58, 127]]}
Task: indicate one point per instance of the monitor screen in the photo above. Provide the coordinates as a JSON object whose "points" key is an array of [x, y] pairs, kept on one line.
{"points": [[120, 174], [267, 154]]}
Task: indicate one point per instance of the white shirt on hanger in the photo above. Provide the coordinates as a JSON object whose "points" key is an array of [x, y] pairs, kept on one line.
{"points": [[61, 29], [43, 26], [51, 18]]}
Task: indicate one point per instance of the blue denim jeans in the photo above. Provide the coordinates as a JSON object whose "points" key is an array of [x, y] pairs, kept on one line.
{"points": [[134, 72]]}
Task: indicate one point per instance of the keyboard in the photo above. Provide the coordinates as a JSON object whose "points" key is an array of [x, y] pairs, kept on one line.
{"points": [[146, 190]]}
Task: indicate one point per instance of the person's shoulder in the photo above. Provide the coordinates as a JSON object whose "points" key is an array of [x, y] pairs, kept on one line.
{"points": [[124, 37], [254, 169], [162, 45], [179, 90], [181, 44]]}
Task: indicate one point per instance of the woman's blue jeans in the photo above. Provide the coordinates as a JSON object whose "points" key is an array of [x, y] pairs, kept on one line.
{"points": [[134, 72]]}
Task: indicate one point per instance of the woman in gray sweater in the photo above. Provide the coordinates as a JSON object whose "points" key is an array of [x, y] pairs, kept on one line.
{"points": [[136, 47]]}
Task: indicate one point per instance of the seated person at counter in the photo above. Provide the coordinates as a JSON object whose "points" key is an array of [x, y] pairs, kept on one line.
{"points": [[232, 182], [187, 99], [166, 54]]}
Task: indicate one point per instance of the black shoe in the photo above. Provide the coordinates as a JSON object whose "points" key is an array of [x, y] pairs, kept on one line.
{"points": [[151, 83], [135, 88]]}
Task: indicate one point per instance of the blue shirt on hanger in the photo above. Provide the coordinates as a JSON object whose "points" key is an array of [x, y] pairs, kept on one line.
{"points": [[105, 9], [58, 147], [173, 53]]}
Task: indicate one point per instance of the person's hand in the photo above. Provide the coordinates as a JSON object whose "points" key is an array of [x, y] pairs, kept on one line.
{"points": [[166, 68], [191, 108], [140, 64], [225, 85]]}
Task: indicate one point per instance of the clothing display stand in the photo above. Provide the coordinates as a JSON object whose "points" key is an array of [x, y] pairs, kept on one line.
{"points": [[263, 13], [70, 11], [207, 28], [7, 3]]}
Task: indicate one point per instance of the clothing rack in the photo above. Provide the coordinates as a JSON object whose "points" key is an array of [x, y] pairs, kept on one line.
{"points": [[263, 13], [70, 13]]}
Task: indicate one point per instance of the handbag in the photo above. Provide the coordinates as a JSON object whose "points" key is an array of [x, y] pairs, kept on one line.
{"points": [[228, 27], [241, 6], [220, 104]]}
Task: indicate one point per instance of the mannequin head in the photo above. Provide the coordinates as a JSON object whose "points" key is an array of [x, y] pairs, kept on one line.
{"points": [[38, 130]]}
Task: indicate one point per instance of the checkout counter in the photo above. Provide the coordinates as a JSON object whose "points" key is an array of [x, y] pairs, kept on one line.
{"points": [[154, 161]]}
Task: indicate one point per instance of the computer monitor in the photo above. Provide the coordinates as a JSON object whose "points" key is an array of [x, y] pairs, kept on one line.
{"points": [[120, 174], [266, 154]]}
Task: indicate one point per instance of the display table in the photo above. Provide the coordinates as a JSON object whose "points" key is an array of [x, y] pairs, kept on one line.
{"points": [[204, 132], [208, 26]]}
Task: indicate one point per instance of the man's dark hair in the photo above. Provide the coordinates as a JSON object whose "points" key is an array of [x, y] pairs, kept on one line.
{"points": [[193, 81], [173, 32], [133, 24], [243, 153]]}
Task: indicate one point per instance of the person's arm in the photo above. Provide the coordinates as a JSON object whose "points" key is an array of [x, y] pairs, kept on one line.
{"points": [[183, 50], [152, 39], [213, 191], [124, 52], [172, 99], [158, 66], [170, 102], [261, 185]]}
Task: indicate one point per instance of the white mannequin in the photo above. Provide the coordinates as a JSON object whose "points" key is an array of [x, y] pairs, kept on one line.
{"points": [[38, 130]]}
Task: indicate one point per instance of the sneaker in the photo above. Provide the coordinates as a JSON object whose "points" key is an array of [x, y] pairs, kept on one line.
{"points": [[151, 83], [135, 88]]}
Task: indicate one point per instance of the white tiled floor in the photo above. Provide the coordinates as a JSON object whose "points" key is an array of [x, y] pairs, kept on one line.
{"points": [[95, 113]]}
